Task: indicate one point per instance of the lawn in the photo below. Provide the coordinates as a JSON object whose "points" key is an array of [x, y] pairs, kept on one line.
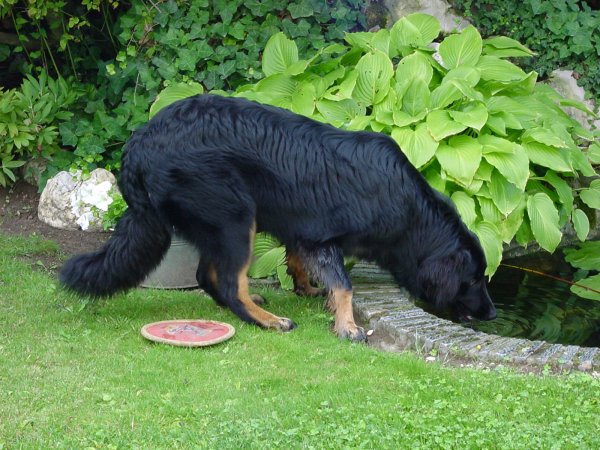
{"points": [[79, 375]]}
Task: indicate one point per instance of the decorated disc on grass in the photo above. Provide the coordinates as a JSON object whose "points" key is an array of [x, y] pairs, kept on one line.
{"points": [[188, 333]]}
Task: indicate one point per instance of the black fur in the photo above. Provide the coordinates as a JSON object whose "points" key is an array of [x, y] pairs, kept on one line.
{"points": [[212, 166]]}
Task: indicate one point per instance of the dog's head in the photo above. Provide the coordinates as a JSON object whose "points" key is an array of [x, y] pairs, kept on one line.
{"points": [[457, 282]]}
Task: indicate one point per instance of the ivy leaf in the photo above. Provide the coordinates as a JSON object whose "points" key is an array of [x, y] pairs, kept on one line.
{"points": [[544, 221], [418, 145], [375, 70], [280, 53], [460, 158], [300, 9], [463, 49], [66, 133], [581, 223]]}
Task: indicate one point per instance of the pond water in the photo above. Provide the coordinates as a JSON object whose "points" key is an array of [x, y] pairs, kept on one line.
{"points": [[539, 308]]}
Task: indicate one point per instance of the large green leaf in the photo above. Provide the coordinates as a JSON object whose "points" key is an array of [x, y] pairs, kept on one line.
{"points": [[489, 237], [173, 93], [592, 282], [285, 280], [463, 49], [594, 153], [280, 54], [505, 195], [509, 158], [264, 242], [468, 75], [460, 158], [418, 145], [375, 70], [415, 65], [581, 223], [441, 124], [415, 98], [341, 112], [303, 99], [545, 136], [370, 41], [496, 69], [444, 95], [546, 156], [543, 217], [586, 256], [415, 30], [503, 46], [562, 188], [473, 115], [465, 206], [591, 195], [268, 263]]}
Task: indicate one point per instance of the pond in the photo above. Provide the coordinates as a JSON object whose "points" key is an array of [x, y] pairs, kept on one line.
{"points": [[536, 307]]}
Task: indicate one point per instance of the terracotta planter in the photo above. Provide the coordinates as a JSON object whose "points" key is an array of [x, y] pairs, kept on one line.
{"points": [[177, 269]]}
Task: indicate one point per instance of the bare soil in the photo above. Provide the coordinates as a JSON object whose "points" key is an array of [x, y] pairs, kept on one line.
{"points": [[18, 216]]}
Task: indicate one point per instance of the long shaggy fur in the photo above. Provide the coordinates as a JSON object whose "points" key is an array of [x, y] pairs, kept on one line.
{"points": [[210, 167]]}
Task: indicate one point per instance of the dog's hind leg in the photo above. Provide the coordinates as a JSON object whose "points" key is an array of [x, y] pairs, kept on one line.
{"points": [[230, 280], [302, 282], [326, 263]]}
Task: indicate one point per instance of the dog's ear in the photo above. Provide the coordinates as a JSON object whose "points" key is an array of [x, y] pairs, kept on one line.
{"points": [[439, 278]]}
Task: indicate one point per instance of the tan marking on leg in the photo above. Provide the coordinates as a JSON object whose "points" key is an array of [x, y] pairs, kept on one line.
{"points": [[264, 318], [212, 276], [302, 284], [340, 301]]}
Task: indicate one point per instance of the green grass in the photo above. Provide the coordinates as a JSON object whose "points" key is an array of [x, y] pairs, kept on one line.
{"points": [[77, 376]]}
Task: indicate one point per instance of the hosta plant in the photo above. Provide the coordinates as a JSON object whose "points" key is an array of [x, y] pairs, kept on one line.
{"points": [[481, 130]]}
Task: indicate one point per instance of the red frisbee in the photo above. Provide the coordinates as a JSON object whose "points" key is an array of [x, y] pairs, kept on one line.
{"points": [[188, 333]]}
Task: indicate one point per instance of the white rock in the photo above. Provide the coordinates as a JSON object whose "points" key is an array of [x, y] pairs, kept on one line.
{"points": [[71, 203], [566, 85], [440, 9]]}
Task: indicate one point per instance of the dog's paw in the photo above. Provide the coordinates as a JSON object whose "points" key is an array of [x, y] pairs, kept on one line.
{"points": [[258, 299], [352, 332], [284, 324]]}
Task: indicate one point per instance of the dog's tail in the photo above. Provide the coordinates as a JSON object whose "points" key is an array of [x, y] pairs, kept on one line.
{"points": [[137, 246]]}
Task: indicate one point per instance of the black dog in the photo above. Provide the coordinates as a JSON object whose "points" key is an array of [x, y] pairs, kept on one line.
{"points": [[217, 169]]}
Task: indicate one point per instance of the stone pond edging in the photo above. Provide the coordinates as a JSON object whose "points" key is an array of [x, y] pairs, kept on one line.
{"points": [[398, 325]]}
